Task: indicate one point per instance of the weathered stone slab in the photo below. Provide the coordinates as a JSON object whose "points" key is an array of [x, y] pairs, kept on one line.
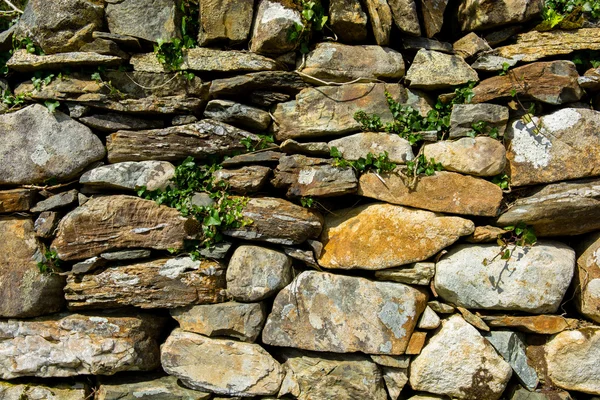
{"points": [[200, 140], [470, 45], [433, 15], [124, 41], [419, 273], [346, 313], [441, 308], [486, 234], [539, 324], [400, 362], [238, 114], [432, 70], [75, 344], [118, 222], [157, 20], [273, 21], [416, 343], [163, 283], [359, 145], [244, 180], [125, 255], [477, 15], [492, 63], [61, 391], [15, 200], [418, 43], [130, 175], [473, 319], [315, 149], [146, 386], [380, 16], [276, 81], [260, 157], [429, 319], [115, 122], [348, 20], [359, 238], [38, 145], [57, 201], [405, 16], [105, 47], [46, 223], [226, 21], [587, 277], [446, 192], [22, 61], [220, 366], [458, 362], [465, 115], [533, 280]]}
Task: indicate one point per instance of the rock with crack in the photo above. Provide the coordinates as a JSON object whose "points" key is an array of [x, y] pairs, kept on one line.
{"points": [[273, 21], [433, 70], [130, 176], [154, 21], [145, 386], [237, 114], [225, 21], [380, 15], [433, 15]]}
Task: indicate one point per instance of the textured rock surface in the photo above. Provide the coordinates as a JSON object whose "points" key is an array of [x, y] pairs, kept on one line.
{"points": [[470, 45], [477, 14], [533, 280], [346, 313], [147, 386], [244, 180], [405, 16], [395, 380], [238, 114], [481, 373], [59, 200], [76, 344], [359, 238], [22, 61], [540, 324], [153, 21], [283, 82], [46, 223], [359, 145], [315, 149], [220, 366], [224, 21], [433, 15], [348, 20], [44, 146], [587, 277], [18, 391], [380, 16], [116, 122], [429, 319], [434, 70], [465, 115], [14, 200], [130, 175], [415, 274], [273, 21]]}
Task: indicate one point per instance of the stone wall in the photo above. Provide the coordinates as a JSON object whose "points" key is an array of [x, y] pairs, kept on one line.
{"points": [[446, 250]]}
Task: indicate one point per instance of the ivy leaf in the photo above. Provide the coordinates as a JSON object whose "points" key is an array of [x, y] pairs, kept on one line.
{"points": [[51, 105]]}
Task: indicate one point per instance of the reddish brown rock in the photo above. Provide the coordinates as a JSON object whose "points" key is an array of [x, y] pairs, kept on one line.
{"points": [[540, 324], [416, 343], [15, 200]]}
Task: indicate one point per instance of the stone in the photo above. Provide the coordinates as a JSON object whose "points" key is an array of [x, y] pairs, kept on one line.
{"points": [[346, 313], [511, 347], [244, 180], [552, 82], [217, 251], [395, 380], [564, 145], [396, 362], [470, 45], [278, 221], [558, 209], [359, 238], [266, 157], [44, 146], [405, 16], [419, 273], [331, 376], [124, 41], [338, 62], [433, 16], [104, 47], [15, 200], [25, 291], [60, 26], [158, 20], [115, 122], [220, 366], [348, 20], [441, 308], [492, 63], [88, 265], [429, 396], [587, 278], [538, 324], [46, 223], [109, 223], [237, 114], [429, 319], [486, 234], [130, 176], [276, 81], [359, 145], [202, 199], [162, 283], [479, 156], [139, 85], [473, 319], [224, 21], [444, 191], [380, 15], [61, 391], [478, 14], [534, 45], [125, 255], [238, 320], [521, 393], [416, 343], [256, 273], [200, 140], [273, 20], [306, 177], [315, 149], [22, 61], [60, 200], [432, 70], [465, 115], [183, 120], [418, 43], [572, 360], [64, 345], [533, 280], [305, 256], [145, 387], [458, 362]]}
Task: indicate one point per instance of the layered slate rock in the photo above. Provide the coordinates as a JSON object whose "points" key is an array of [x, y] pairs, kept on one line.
{"points": [[226, 21], [572, 360], [305, 176], [278, 221], [416, 274], [360, 144], [539, 324], [444, 191], [342, 63], [200, 140], [348, 20], [216, 365], [284, 82], [22, 61], [273, 20], [470, 45], [560, 146], [152, 175], [157, 20], [587, 278], [77, 344], [25, 292], [163, 283], [432, 70], [480, 374], [315, 149], [46, 223], [558, 209], [342, 314], [360, 238], [244, 180], [511, 347], [433, 15], [15, 200], [465, 115], [116, 122], [64, 391], [533, 280], [380, 16], [238, 114], [146, 386], [477, 15], [119, 222], [553, 82], [328, 376], [57, 201], [405, 16], [44, 145]]}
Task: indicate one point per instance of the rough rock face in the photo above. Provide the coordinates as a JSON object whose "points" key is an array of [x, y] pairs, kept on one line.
{"points": [[151, 20], [116, 122], [587, 278], [359, 145], [480, 14], [360, 237], [433, 15], [22, 61], [57, 201], [480, 156], [238, 114], [348, 20], [572, 360], [25, 291], [130, 175], [405, 16], [380, 16], [434, 70], [273, 21], [470, 45], [540, 324], [44, 146], [417, 274], [146, 386], [14, 200], [220, 366], [77, 344], [244, 180], [533, 280], [118, 222], [464, 115], [480, 374], [346, 313], [225, 21], [18, 391]]}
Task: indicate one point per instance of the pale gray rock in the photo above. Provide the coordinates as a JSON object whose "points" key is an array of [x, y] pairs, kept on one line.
{"points": [[22, 61], [60, 200], [272, 23], [533, 280], [405, 16], [395, 379], [115, 122], [492, 63], [256, 273], [441, 308], [36, 390], [237, 114], [128, 176], [359, 145], [465, 115], [145, 387], [433, 70], [419, 273], [401, 361], [85, 266], [257, 157], [587, 277], [429, 319], [348, 20], [202, 199], [315, 149], [183, 120], [478, 14], [38, 145], [125, 255], [150, 20], [224, 21], [244, 180], [433, 15], [216, 252]]}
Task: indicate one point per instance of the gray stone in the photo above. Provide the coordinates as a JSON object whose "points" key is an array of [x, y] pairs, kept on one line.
{"points": [[227, 21], [57, 201], [237, 114], [405, 16], [380, 15], [433, 15], [348, 20], [401, 361], [104, 47], [256, 273], [183, 120], [478, 15], [153, 21], [306, 256], [35, 390], [46, 223], [89, 265], [418, 43], [124, 41], [429, 320], [441, 308], [395, 380], [152, 175], [359, 145], [259, 157], [473, 319], [201, 199], [114, 122], [282, 82], [521, 393], [243, 180], [315, 149], [145, 387], [22, 61], [419, 273], [492, 63], [533, 280], [272, 23], [125, 255], [465, 115], [432, 70], [216, 252]]}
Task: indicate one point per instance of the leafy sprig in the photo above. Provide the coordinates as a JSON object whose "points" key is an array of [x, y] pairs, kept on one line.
{"points": [[378, 163], [519, 235]]}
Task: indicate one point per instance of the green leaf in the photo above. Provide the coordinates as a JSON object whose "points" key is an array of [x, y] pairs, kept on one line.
{"points": [[506, 255], [51, 105]]}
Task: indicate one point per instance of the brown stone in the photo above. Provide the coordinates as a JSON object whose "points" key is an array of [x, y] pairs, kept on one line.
{"points": [[587, 278], [276, 81], [348, 20], [15, 200], [22, 61], [470, 45], [259, 157], [485, 234], [45, 225], [60, 391], [446, 192], [416, 343], [380, 16], [540, 324], [433, 15], [118, 222], [481, 14], [405, 15], [473, 319], [224, 21], [419, 273], [243, 180]]}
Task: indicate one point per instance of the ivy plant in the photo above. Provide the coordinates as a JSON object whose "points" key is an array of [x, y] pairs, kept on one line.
{"points": [[422, 165], [377, 163], [50, 263], [313, 20], [519, 235]]}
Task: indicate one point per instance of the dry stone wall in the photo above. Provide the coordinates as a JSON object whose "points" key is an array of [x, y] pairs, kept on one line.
{"points": [[225, 199]]}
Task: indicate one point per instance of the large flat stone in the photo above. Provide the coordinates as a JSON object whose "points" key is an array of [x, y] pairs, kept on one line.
{"points": [[276, 81], [433, 70], [587, 277], [146, 387], [244, 180], [22, 61], [342, 314], [152, 21], [238, 114], [115, 122], [361, 144], [465, 115], [34, 390], [15, 200], [130, 176], [538, 324], [477, 15]]}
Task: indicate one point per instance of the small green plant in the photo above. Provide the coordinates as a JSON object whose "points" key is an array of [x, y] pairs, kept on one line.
{"points": [[41, 79], [377, 163], [421, 165], [13, 101], [50, 263], [190, 24], [307, 202], [502, 180], [27, 44], [170, 54], [113, 91], [585, 60], [51, 105], [521, 235], [568, 14], [482, 128], [265, 142], [505, 68], [313, 20]]}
